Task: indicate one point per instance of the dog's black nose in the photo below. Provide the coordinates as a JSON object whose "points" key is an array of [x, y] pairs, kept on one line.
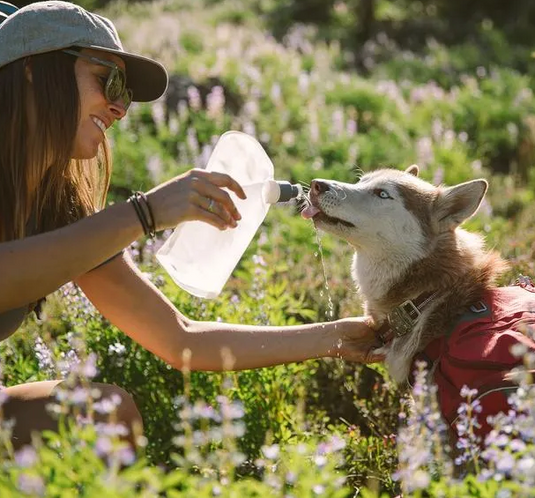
{"points": [[319, 186]]}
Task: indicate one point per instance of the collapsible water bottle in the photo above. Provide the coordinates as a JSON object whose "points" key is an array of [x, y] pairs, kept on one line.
{"points": [[199, 257]]}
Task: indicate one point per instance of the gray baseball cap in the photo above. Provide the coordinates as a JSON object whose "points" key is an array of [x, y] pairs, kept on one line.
{"points": [[53, 25]]}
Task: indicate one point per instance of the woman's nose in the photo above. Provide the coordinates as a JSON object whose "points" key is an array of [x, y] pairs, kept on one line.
{"points": [[117, 109]]}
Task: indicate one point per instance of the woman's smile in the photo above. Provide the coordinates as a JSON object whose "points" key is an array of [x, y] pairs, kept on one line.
{"points": [[99, 123]]}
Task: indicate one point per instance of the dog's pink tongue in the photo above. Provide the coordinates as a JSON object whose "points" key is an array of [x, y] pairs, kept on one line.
{"points": [[309, 212]]}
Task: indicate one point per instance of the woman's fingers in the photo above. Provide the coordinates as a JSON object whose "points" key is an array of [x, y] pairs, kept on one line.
{"points": [[196, 195], [374, 355], [210, 187], [358, 341], [210, 218], [213, 212], [224, 180], [221, 204]]}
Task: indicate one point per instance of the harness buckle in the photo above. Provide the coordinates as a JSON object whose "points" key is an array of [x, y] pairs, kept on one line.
{"points": [[479, 307], [403, 318]]}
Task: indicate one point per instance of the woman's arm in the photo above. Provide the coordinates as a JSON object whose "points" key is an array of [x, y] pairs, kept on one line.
{"points": [[126, 297], [33, 267]]}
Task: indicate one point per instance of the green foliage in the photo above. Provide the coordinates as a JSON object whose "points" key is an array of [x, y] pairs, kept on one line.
{"points": [[364, 98], [65, 464]]}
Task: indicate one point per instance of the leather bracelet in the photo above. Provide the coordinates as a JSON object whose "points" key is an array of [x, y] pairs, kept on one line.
{"points": [[150, 218], [134, 200]]}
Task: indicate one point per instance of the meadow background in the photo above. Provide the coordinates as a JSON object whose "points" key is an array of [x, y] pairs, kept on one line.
{"points": [[329, 88]]}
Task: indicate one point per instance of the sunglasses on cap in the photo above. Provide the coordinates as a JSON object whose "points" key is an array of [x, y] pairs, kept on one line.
{"points": [[115, 87]]}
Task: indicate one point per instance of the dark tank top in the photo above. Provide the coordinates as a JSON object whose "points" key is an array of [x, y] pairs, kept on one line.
{"points": [[11, 320]]}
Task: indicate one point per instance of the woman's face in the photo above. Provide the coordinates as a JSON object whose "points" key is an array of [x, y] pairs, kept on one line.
{"points": [[96, 113]]}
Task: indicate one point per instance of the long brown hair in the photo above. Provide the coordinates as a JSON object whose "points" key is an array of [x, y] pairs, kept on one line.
{"points": [[41, 187]]}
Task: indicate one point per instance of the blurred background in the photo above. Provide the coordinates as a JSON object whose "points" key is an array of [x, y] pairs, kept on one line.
{"points": [[475, 52]]}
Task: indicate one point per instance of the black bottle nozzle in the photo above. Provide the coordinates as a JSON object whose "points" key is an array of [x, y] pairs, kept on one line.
{"points": [[281, 191]]}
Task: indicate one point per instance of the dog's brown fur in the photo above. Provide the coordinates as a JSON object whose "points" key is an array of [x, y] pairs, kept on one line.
{"points": [[460, 276]]}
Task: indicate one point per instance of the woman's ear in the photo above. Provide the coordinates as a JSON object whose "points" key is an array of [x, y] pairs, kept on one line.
{"points": [[28, 70]]}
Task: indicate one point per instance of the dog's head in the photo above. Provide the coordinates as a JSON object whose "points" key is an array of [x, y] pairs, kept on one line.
{"points": [[392, 212]]}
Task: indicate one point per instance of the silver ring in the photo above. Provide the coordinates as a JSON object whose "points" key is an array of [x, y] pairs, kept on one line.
{"points": [[211, 206]]}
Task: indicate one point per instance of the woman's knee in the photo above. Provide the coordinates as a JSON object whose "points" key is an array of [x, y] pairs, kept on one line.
{"points": [[28, 406], [126, 410]]}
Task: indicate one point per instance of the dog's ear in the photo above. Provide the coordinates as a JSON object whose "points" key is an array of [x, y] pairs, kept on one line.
{"points": [[456, 204], [413, 170]]}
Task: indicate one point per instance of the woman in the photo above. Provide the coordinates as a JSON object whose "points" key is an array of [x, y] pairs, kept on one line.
{"points": [[65, 79]]}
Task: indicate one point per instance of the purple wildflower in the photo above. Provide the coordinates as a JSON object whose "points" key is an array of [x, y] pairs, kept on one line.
{"points": [[31, 484], [26, 456]]}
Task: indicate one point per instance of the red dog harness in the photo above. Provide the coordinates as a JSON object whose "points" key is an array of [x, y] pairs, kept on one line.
{"points": [[477, 352]]}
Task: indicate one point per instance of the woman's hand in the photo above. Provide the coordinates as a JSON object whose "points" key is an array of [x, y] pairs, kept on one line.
{"points": [[356, 341], [196, 195]]}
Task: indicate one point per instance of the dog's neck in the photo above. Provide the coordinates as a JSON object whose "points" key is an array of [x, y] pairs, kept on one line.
{"points": [[458, 257], [375, 276]]}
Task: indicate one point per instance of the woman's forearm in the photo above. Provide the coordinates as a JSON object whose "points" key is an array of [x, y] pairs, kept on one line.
{"points": [[126, 297], [218, 346], [35, 266]]}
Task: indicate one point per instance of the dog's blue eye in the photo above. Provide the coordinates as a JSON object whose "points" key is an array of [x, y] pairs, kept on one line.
{"points": [[383, 194]]}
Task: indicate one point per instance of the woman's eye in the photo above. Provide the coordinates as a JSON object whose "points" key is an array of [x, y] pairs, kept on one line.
{"points": [[383, 194]]}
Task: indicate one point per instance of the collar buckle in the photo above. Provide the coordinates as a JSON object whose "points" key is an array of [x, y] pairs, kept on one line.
{"points": [[403, 318]]}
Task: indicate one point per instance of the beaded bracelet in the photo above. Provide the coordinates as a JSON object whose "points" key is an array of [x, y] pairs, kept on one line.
{"points": [[144, 213]]}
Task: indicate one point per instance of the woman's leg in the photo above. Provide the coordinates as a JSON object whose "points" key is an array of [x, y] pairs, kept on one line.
{"points": [[27, 404]]}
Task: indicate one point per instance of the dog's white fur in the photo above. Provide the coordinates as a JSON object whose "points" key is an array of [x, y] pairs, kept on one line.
{"points": [[407, 241]]}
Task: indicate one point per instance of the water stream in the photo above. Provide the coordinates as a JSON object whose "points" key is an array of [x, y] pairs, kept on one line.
{"points": [[330, 304]]}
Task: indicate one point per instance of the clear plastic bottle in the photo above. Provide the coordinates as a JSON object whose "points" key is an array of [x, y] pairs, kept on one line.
{"points": [[199, 257]]}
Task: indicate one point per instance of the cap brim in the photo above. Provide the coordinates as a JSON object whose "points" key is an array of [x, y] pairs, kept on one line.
{"points": [[146, 78]]}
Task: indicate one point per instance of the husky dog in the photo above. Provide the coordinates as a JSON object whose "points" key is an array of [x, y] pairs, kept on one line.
{"points": [[413, 266]]}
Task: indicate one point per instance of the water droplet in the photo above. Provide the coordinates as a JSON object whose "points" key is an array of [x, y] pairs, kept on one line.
{"points": [[330, 305]]}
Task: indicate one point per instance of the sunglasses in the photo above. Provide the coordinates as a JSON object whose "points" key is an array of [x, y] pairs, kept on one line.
{"points": [[115, 87]]}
